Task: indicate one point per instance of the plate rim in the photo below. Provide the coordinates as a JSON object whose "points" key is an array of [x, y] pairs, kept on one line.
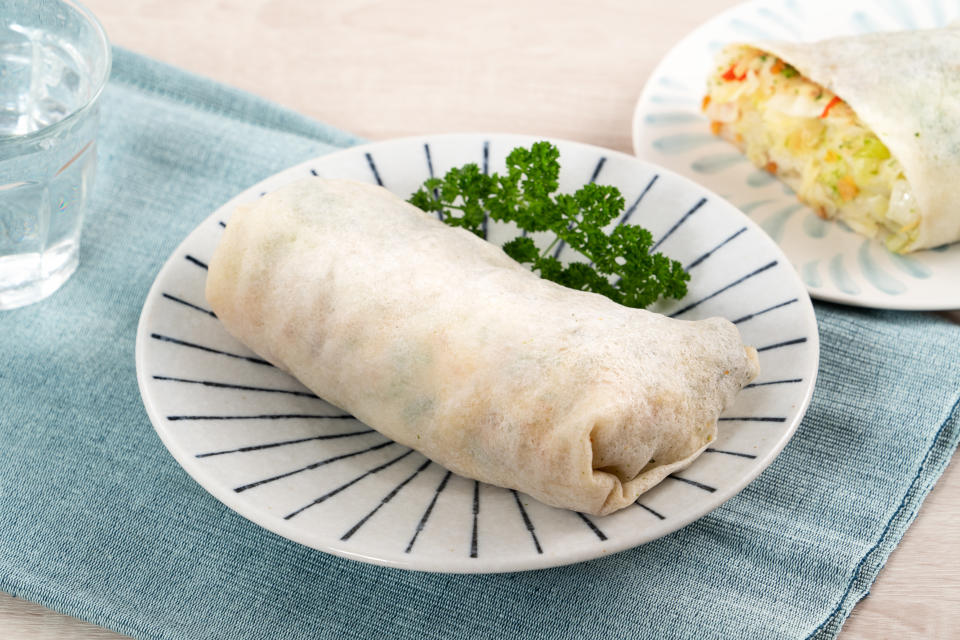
{"points": [[636, 126], [431, 564]]}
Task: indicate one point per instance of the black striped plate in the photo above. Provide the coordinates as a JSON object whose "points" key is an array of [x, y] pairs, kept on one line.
{"points": [[268, 448]]}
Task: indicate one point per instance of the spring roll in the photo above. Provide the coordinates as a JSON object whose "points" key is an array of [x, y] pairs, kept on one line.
{"points": [[865, 129], [440, 341]]}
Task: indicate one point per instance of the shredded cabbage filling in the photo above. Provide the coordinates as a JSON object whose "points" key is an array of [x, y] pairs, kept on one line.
{"points": [[813, 141]]}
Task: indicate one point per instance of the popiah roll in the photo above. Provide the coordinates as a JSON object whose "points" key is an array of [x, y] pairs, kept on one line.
{"points": [[440, 341], [865, 129]]}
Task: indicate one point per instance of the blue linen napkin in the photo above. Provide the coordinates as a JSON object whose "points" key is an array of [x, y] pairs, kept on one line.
{"points": [[98, 521]]}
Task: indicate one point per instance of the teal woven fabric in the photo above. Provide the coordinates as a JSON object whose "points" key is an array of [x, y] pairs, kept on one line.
{"points": [[98, 521]]}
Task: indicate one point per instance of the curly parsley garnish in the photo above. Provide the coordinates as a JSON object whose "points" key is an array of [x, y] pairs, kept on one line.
{"points": [[621, 266]]}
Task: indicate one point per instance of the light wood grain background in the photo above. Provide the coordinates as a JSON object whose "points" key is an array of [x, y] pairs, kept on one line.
{"points": [[571, 69]]}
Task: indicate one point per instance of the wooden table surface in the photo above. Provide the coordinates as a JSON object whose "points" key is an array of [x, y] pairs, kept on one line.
{"points": [[570, 69]]}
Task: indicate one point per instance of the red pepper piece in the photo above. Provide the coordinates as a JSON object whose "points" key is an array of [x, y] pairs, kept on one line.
{"points": [[729, 74], [834, 100]]}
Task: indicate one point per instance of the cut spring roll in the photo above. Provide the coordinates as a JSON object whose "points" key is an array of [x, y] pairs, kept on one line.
{"points": [[443, 343], [865, 129]]}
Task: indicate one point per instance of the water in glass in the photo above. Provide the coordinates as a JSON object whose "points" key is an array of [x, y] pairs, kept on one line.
{"points": [[47, 156]]}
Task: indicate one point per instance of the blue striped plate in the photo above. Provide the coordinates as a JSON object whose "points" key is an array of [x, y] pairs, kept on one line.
{"points": [[269, 449], [834, 262]]}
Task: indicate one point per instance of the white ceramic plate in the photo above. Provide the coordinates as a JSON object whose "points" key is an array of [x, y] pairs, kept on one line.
{"points": [[265, 446], [835, 263]]}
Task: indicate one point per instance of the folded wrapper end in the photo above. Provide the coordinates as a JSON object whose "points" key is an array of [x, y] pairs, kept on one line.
{"points": [[626, 485], [623, 493]]}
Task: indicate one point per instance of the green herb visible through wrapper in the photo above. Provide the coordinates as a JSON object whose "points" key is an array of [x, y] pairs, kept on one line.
{"points": [[526, 196]]}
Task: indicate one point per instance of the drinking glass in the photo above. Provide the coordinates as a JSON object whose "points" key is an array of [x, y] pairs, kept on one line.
{"points": [[54, 63]]}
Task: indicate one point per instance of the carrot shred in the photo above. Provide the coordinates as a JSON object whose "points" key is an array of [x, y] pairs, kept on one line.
{"points": [[834, 100], [847, 188], [715, 127], [778, 66], [771, 167], [705, 103]]}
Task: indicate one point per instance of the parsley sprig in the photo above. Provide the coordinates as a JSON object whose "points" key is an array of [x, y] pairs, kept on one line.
{"points": [[621, 266]]}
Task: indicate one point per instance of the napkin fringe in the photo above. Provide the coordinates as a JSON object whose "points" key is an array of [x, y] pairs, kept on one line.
{"points": [[934, 462], [36, 591]]}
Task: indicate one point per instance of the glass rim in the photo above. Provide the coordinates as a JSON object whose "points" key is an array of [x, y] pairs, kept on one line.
{"points": [[99, 83]]}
